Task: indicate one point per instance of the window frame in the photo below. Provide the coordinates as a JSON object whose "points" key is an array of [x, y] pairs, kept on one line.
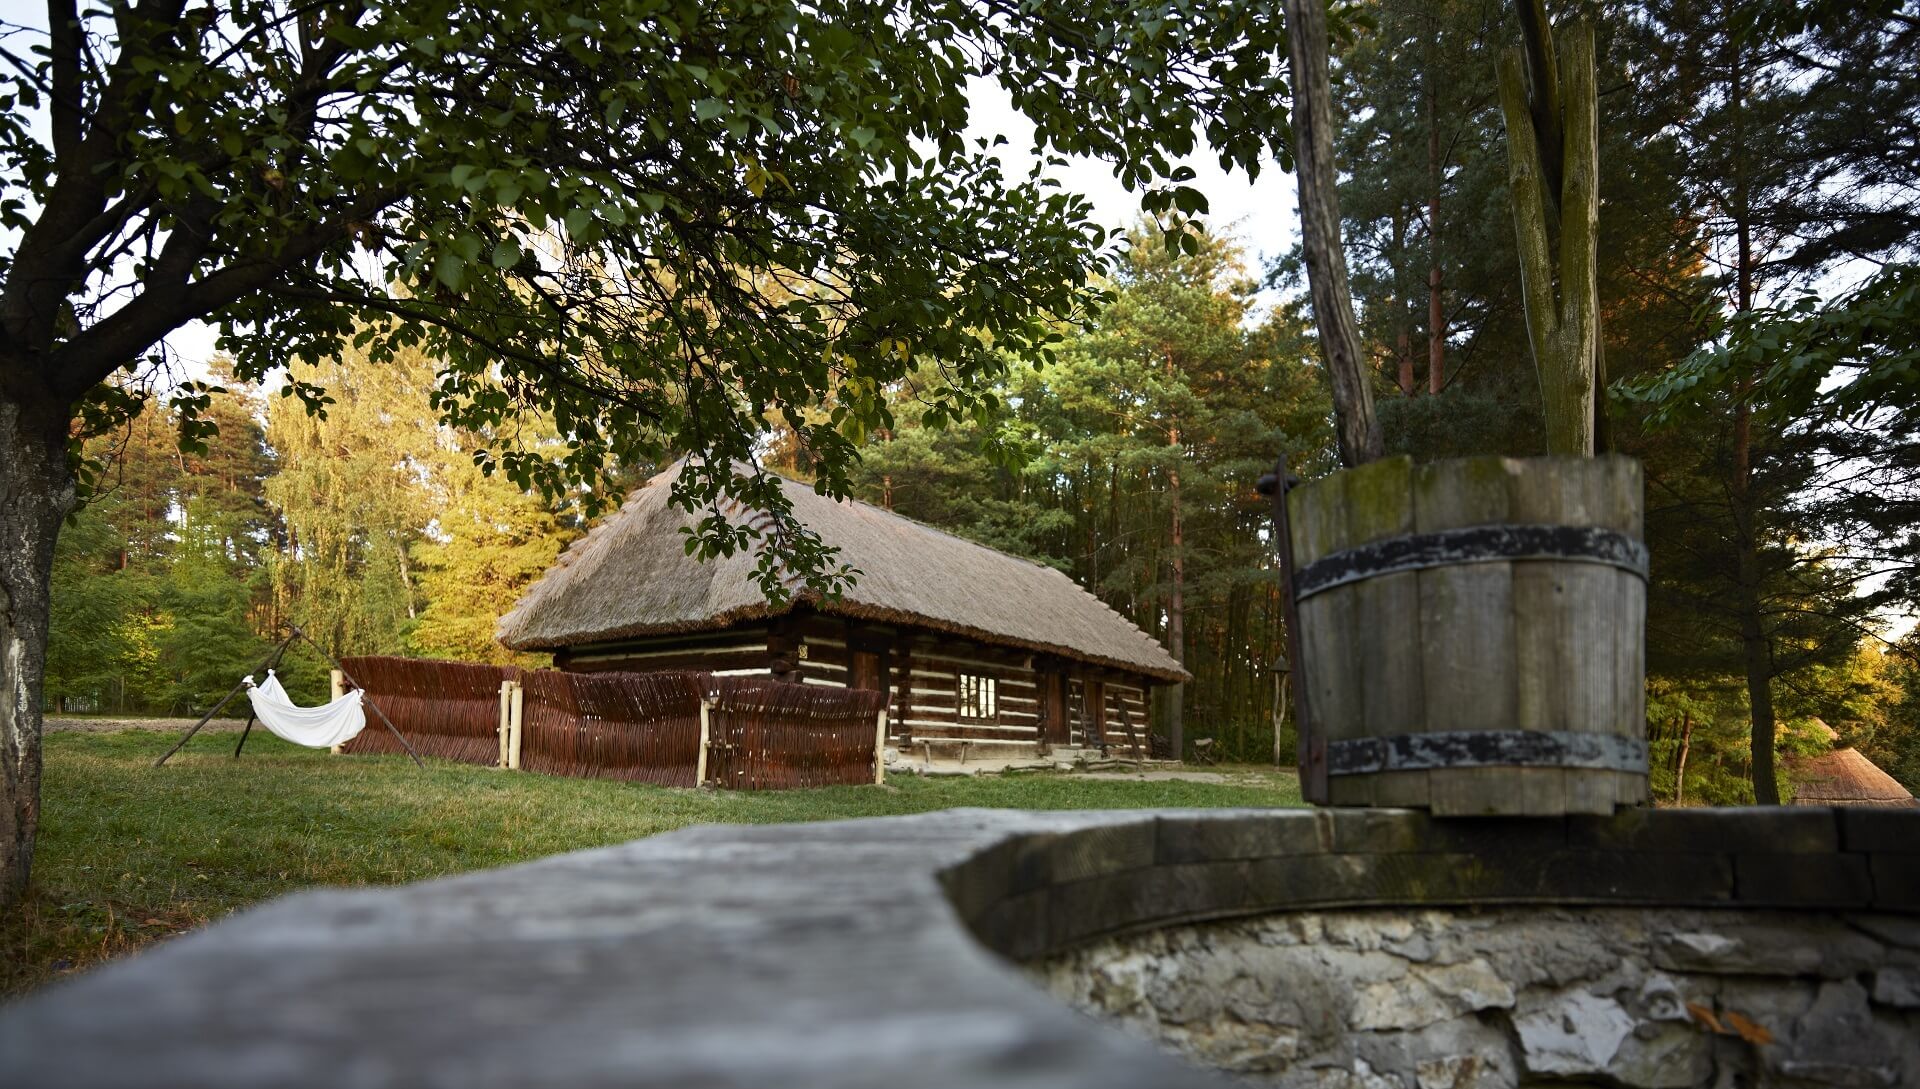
{"points": [[976, 697]]}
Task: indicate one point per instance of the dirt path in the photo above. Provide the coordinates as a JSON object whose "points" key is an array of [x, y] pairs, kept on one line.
{"points": [[91, 725]]}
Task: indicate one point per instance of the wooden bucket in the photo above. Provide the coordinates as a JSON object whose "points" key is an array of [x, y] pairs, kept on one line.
{"points": [[1472, 635]]}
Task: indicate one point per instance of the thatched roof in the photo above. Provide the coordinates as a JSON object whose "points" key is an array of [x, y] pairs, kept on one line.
{"points": [[631, 576], [1845, 777]]}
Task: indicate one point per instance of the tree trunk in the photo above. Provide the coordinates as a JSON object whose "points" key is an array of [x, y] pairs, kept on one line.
{"points": [[1680, 763], [1436, 309], [406, 576], [1403, 351], [1403, 340], [1282, 754], [1358, 428], [1558, 288], [36, 493], [1759, 664], [1177, 608], [1756, 650]]}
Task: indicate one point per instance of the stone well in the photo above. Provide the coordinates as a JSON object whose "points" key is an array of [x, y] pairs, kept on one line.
{"points": [[1332, 948]]}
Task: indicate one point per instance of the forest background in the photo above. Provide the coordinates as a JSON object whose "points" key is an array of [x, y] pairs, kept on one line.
{"points": [[1760, 168]]}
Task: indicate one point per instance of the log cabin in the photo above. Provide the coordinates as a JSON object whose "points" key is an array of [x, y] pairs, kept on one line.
{"points": [[978, 651]]}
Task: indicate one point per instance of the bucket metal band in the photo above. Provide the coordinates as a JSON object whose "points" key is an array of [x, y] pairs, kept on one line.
{"points": [[1472, 544], [1486, 749]]}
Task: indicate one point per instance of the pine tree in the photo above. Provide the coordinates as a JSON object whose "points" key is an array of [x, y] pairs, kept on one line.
{"points": [[1163, 411], [1428, 219], [1754, 94]]}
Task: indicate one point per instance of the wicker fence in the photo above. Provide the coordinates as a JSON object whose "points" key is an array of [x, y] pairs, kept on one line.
{"points": [[446, 709], [769, 735], [647, 727], [640, 726]]}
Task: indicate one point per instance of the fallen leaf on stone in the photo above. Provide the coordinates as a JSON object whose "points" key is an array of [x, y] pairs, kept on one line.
{"points": [[1705, 1016], [1749, 1030]]}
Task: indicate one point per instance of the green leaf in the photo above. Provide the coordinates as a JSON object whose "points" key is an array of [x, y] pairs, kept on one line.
{"points": [[450, 270]]}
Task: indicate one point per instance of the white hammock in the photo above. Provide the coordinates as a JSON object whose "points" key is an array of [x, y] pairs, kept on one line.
{"points": [[315, 727]]}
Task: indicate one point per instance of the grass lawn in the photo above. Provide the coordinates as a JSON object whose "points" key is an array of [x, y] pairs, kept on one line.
{"points": [[129, 853]]}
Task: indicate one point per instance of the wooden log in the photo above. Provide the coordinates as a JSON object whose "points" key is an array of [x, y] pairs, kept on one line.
{"points": [[706, 738], [1097, 711], [880, 747], [506, 719], [516, 706], [336, 687], [973, 657], [702, 660]]}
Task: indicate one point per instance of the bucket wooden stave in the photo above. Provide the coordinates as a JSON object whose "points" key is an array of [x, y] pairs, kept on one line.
{"points": [[1491, 658]]}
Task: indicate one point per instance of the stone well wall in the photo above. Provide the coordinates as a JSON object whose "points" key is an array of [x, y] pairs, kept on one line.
{"points": [[1651, 998], [1653, 948]]}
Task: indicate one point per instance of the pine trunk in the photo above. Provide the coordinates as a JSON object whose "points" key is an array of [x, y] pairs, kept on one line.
{"points": [[36, 493], [1403, 350], [1177, 613], [1766, 788], [1403, 340], [1755, 647], [1436, 309]]}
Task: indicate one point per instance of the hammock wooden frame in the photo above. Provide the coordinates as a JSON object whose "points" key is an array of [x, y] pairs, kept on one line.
{"points": [[272, 660]]}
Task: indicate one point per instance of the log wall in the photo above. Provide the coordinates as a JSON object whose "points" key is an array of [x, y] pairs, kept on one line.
{"points": [[932, 705], [918, 670], [734, 652]]}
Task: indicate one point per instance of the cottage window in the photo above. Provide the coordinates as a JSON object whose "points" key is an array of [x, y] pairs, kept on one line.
{"points": [[977, 698]]}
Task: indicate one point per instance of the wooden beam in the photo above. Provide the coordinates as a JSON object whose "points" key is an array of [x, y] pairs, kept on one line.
{"points": [[706, 736]]}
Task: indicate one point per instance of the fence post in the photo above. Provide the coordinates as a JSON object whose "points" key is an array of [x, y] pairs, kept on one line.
{"points": [[506, 720], [880, 747], [515, 706], [336, 687], [706, 728]]}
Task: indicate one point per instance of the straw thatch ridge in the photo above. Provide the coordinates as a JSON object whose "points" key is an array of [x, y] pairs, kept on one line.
{"points": [[631, 576], [1847, 777]]}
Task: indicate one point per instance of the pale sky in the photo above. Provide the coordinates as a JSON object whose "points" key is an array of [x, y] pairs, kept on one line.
{"points": [[1260, 212]]}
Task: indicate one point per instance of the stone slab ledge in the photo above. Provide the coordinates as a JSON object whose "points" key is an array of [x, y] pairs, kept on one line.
{"points": [[851, 953]]}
